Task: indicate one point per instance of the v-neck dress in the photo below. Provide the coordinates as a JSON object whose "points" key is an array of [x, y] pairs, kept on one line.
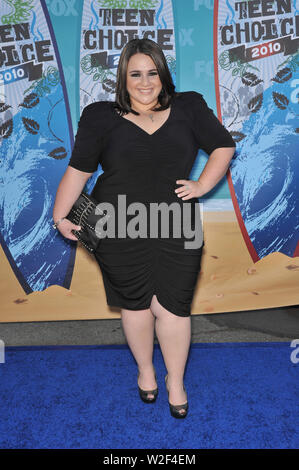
{"points": [[144, 168]]}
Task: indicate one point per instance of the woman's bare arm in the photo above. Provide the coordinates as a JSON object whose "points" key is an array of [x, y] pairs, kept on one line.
{"points": [[214, 170], [69, 189]]}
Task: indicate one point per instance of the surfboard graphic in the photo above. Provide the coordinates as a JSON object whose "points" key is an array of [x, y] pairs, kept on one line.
{"points": [[35, 143], [256, 73], [107, 25]]}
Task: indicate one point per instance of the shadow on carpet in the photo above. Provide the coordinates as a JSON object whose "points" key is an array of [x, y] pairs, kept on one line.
{"points": [[241, 396]]}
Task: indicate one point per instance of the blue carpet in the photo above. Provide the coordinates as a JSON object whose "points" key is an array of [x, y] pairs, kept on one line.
{"points": [[241, 396]]}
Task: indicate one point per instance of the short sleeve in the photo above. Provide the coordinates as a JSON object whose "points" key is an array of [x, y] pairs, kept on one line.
{"points": [[209, 131], [88, 141]]}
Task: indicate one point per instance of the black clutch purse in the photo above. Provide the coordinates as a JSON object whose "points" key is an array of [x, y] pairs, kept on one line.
{"points": [[83, 213]]}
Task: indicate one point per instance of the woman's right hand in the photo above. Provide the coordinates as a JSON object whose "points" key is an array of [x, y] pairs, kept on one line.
{"points": [[65, 227]]}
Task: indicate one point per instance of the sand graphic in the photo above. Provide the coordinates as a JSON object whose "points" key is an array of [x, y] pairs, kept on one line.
{"points": [[229, 281]]}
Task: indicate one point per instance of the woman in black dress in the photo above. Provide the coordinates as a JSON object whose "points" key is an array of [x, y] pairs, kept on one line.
{"points": [[146, 142]]}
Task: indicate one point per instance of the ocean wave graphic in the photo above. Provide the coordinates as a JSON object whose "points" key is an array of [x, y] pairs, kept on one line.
{"points": [[29, 180], [158, 14], [96, 25], [230, 17], [265, 176], [35, 37]]}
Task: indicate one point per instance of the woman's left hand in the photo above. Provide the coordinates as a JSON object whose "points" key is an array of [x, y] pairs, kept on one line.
{"points": [[189, 189]]}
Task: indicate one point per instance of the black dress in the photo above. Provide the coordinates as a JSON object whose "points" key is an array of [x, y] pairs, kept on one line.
{"points": [[144, 168]]}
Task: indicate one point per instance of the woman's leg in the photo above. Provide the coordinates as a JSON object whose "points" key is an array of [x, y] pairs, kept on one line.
{"points": [[139, 328], [174, 335]]}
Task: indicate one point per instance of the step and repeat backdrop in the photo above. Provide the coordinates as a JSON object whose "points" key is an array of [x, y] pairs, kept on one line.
{"points": [[57, 56]]}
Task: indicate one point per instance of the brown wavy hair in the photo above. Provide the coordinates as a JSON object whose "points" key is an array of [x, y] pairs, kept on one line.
{"points": [[153, 50]]}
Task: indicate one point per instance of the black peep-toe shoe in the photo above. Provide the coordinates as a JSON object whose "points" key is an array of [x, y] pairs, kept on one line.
{"points": [[175, 409], [144, 393]]}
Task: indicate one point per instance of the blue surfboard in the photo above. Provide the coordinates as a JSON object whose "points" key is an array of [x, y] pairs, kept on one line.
{"points": [[257, 100], [35, 144]]}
